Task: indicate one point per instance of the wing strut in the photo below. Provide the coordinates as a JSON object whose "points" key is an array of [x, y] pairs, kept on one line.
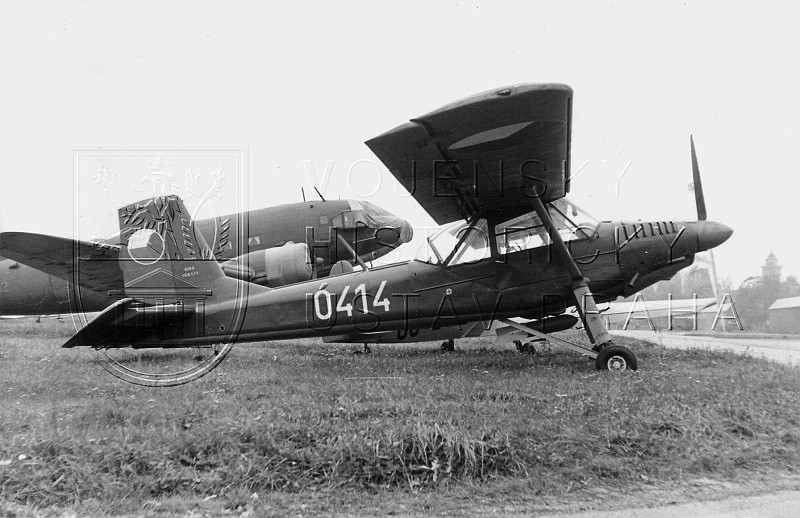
{"points": [[587, 308], [349, 248]]}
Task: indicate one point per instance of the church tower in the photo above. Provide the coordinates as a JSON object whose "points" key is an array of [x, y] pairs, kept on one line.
{"points": [[771, 274]]}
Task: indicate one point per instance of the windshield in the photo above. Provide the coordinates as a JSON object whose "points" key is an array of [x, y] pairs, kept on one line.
{"points": [[571, 215]]}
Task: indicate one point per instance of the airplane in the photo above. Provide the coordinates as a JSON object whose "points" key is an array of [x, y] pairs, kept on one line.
{"points": [[493, 169], [276, 245]]}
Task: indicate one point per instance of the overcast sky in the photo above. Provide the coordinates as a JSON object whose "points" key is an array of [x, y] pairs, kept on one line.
{"points": [[311, 82]]}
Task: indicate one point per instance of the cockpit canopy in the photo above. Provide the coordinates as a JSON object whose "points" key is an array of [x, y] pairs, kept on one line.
{"points": [[363, 214], [460, 242]]}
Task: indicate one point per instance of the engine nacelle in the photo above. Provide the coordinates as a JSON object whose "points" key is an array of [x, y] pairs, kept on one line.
{"points": [[272, 267]]}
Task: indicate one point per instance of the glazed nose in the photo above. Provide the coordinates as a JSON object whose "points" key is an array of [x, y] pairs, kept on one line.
{"points": [[711, 234], [397, 233]]}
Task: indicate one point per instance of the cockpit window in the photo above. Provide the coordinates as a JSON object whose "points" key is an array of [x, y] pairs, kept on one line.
{"points": [[350, 219], [376, 210], [355, 205], [460, 243], [363, 214], [527, 231], [521, 233], [471, 244]]}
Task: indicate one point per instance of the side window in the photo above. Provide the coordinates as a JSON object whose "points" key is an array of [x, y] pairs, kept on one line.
{"points": [[527, 231], [514, 238]]}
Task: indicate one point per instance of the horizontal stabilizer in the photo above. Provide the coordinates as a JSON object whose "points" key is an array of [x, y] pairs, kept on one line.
{"points": [[127, 321]]}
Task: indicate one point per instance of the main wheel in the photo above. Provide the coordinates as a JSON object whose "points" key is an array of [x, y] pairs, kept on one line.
{"points": [[616, 358]]}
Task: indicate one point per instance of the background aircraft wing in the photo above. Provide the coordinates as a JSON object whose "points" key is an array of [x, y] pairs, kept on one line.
{"points": [[489, 152], [90, 265]]}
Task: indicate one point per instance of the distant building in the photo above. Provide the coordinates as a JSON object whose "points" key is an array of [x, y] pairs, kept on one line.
{"points": [[771, 274], [784, 316]]}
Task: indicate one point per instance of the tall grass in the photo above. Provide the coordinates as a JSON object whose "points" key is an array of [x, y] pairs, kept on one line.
{"points": [[307, 416]]}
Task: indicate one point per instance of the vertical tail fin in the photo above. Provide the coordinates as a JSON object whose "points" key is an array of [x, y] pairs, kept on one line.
{"points": [[163, 256]]}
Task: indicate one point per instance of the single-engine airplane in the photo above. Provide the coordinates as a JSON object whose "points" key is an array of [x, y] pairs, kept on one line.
{"points": [[274, 248], [494, 169]]}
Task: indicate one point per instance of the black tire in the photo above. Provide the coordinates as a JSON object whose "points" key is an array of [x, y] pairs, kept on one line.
{"points": [[616, 358]]}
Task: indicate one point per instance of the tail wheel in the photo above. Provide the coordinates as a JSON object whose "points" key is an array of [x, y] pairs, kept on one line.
{"points": [[526, 347], [616, 358], [163, 367]]}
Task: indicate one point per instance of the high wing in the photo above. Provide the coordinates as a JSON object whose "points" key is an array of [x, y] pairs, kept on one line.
{"points": [[89, 265], [488, 153]]}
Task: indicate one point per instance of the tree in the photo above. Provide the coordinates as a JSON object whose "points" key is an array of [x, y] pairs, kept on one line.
{"points": [[751, 301], [790, 287]]}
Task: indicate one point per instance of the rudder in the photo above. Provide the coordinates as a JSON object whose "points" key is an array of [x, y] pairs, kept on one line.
{"points": [[163, 257]]}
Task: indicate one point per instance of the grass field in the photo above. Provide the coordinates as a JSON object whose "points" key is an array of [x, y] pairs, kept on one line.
{"points": [[297, 419]]}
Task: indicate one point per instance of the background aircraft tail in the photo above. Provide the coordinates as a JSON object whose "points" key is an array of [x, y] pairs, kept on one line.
{"points": [[162, 255], [170, 278]]}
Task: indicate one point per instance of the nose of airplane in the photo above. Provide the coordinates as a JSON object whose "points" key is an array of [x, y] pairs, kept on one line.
{"points": [[406, 231], [390, 230], [711, 234], [393, 234]]}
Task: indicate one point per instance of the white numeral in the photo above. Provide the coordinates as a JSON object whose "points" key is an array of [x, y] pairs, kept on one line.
{"points": [[361, 288], [346, 307], [385, 301], [328, 309]]}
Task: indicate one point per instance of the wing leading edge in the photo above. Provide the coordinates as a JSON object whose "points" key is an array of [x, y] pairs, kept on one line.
{"points": [[93, 266], [488, 153]]}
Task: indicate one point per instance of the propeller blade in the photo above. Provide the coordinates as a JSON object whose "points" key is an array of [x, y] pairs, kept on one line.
{"points": [[699, 199]]}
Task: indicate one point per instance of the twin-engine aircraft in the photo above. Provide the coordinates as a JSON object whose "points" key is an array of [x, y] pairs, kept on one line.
{"points": [[47, 275], [493, 169]]}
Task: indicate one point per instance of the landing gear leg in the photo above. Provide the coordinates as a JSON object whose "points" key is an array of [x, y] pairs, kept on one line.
{"points": [[449, 345], [584, 300]]}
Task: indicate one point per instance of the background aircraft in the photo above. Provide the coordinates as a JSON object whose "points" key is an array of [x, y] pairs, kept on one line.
{"points": [[493, 168], [271, 247]]}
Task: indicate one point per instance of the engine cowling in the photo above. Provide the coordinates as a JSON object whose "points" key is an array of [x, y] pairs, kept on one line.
{"points": [[272, 267]]}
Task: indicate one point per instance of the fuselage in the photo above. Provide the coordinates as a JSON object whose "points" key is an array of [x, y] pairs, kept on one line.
{"points": [[618, 258], [369, 230]]}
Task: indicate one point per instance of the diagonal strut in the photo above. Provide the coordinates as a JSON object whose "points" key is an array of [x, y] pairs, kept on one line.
{"points": [[584, 300]]}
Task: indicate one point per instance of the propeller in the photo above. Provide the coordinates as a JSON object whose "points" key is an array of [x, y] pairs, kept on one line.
{"points": [[710, 233], [698, 185]]}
